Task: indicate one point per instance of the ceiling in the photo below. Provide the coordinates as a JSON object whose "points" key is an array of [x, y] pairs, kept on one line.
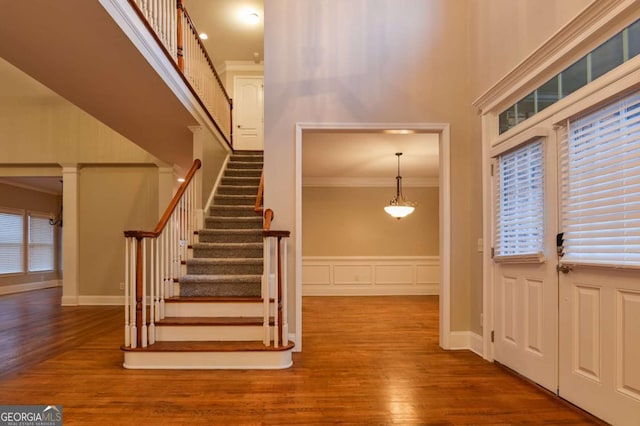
{"points": [[231, 38]]}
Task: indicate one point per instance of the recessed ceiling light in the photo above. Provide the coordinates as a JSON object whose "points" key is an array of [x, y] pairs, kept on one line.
{"points": [[252, 17], [180, 179], [203, 36]]}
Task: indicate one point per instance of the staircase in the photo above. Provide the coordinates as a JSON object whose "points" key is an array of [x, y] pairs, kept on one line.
{"points": [[216, 321]]}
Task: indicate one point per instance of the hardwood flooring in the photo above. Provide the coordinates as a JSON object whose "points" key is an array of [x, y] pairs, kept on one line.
{"points": [[365, 360]]}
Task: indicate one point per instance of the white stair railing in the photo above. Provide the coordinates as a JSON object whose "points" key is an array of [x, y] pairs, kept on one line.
{"points": [[153, 263], [274, 284]]}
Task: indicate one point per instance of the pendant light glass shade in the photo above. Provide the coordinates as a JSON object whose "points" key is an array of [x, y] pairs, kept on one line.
{"points": [[399, 207]]}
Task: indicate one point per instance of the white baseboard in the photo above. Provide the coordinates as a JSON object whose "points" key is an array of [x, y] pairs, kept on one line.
{"points": [[466, 340], [101, 300], [19, 288], [370, 275]]}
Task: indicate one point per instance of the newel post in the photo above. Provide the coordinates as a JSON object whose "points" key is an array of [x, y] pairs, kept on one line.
{"points": [[139, 291]]}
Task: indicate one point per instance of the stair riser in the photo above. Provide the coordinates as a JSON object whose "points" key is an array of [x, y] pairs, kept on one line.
{"points": [[203, 333], [254, 165], [237, 190], [208, 360], [241, 181], [243, 173], [252, 289], [246, 159], [241, 211], [227, 252], [245, 200], [254, 223], [221, 237], [215, 309]]}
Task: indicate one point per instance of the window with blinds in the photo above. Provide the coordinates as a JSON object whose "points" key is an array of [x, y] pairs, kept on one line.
{"points": [[41, 244], [600, 190], [11, 242], [519, 221]]}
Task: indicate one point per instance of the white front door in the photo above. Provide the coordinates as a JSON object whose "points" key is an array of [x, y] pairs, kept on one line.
{"points": [[525, 278], [248, 113], [600, 284]]}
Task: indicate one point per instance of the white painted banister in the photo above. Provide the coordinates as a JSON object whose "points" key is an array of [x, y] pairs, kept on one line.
{"points": [[153, 261], [176, 32], [274, 283]]}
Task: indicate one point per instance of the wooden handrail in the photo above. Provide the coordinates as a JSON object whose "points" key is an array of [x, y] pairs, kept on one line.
{"points": [[268, 217], [170, 208], [258, 207]]}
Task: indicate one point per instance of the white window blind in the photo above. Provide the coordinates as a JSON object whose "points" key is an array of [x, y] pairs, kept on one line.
{"points": [[41, 243], [520, 204], [600, 172], [11, 242]]}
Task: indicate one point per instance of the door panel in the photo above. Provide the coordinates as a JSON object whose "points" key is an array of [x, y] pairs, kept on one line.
{"points": [[526, 321], [248, 106], [600, 342]]}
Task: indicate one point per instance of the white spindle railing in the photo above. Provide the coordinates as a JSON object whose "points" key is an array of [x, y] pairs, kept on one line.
{"points": [[153, 261], [274, 284], [162, 16], [171, 23]]}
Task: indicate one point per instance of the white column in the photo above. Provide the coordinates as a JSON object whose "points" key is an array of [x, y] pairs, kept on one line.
{"points": [[70, 236]]}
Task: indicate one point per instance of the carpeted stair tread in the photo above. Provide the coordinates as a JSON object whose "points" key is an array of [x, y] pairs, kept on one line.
{"points": [[230, 235], [232, 211], [234, 200]]}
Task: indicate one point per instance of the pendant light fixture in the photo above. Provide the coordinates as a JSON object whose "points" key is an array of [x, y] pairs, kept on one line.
{"points": [[399, 207]]}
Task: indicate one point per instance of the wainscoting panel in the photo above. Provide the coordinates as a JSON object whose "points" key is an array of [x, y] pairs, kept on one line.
{"points": [[370, 275]]}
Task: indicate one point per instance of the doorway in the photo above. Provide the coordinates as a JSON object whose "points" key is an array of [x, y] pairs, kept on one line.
{"points": [[441, 133]]}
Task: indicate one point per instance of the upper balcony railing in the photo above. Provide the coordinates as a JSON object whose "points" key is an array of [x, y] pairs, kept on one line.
{"points": [[169, 21]]}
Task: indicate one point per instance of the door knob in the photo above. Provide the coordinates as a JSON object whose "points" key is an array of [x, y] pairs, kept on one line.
{"points": [[565, 269]]}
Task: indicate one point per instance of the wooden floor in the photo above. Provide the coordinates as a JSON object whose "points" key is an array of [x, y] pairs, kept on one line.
{"points": [[366, 361]]}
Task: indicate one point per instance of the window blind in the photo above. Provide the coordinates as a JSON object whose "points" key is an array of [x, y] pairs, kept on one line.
{"points": [[41, 248], [519, 221], [600, 190], [11, 242]]}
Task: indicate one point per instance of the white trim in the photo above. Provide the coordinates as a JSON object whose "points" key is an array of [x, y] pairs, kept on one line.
{"points": [[466, 340], [502, 145], [598, 21], [223, 168], [101, 300], [19, 288], [357, 182], [442, 129], [370, 275]]}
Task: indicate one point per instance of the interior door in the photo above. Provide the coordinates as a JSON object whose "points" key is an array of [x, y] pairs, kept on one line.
{"points": [[526, 285], [248, 107]]}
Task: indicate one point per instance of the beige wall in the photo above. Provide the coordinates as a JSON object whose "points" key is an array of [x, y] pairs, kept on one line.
{"points": [[30, 200], [338, 221], [114, 199], [40, 131], [374, 62]]}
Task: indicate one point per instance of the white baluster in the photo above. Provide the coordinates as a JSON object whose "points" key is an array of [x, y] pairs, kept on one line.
{"points": [[163, 271], [285, 289], [152, 292], [144, 293], [127, 266], [133, 330], [265, 293]]}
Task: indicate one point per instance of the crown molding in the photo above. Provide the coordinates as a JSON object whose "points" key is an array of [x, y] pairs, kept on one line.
{"points": [[28, 187], [599, 20], [358, 182]]}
